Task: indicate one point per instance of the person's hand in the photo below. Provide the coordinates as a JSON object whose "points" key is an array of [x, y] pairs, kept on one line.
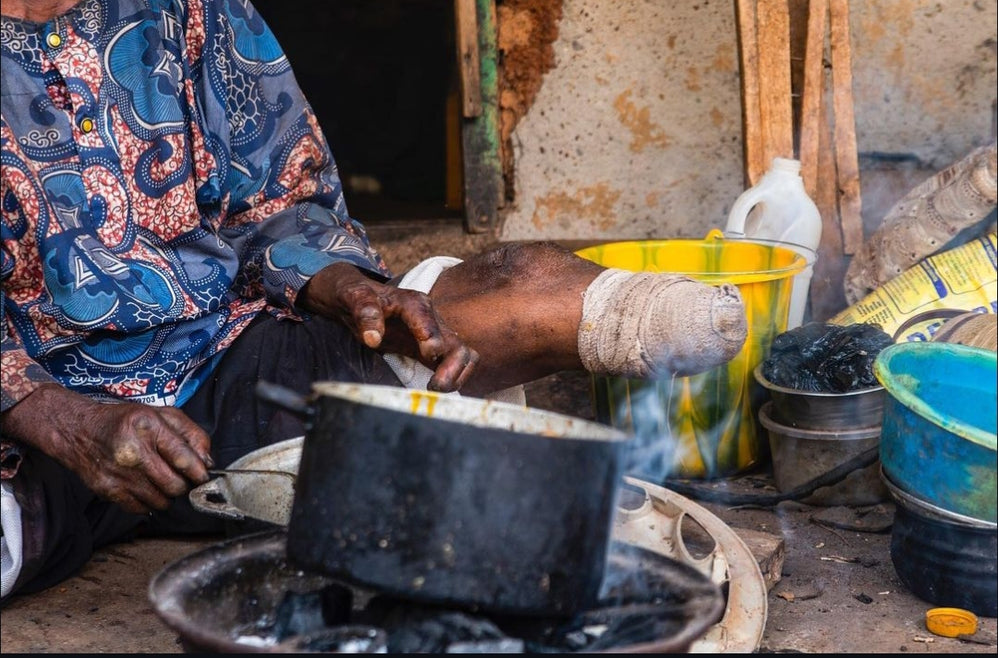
{"points": [[132, 454], [391, 320]]}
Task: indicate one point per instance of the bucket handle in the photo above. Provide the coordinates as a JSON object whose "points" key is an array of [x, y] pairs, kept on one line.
{"points": [[931, 314], [210, 497]]}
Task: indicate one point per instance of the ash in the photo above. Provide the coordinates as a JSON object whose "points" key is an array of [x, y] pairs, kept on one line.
{"points": [[646, 598]]}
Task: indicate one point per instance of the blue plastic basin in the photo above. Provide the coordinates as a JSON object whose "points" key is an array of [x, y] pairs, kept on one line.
{"points": [[938, 438]]}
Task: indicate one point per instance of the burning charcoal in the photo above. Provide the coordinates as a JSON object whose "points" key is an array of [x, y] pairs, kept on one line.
{"points": [[343, 639], [301, 613], [826, 358], [337, 604], [504, 645], [427, 629], [297, 614]]}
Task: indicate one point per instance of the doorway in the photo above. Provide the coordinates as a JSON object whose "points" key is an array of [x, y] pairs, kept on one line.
{"points": [[382, 80]]}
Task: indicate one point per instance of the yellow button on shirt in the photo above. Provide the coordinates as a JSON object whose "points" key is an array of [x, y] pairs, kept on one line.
{"points": [[86, 124], [53, 40]]}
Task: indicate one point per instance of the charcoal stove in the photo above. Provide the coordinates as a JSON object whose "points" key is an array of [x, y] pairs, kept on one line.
{"points": [[661, 593]]}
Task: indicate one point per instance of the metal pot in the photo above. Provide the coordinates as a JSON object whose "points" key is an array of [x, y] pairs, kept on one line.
{"points": [[813, 410], [944, 558], [453, 500]]}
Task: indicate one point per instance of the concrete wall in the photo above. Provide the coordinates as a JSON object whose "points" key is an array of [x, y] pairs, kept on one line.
{"points": [[636, 131]]}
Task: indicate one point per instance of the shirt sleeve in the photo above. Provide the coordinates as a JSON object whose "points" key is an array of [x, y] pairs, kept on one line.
{"points": [[279, 196], [19, 373]]}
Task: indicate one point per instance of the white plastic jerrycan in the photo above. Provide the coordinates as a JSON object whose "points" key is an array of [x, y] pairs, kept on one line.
{"points": [[777, 208]]}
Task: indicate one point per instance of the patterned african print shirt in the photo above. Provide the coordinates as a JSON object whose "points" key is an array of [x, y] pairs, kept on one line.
{"points": [[163, 182]]}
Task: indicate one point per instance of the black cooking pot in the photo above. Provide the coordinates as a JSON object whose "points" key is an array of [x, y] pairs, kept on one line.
{"points": [[453, 500]]}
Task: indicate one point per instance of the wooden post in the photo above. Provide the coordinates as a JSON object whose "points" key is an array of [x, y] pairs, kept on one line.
{"points": [[775, 100], [468, 62], [827, 295], [811, 97], [483, 183], [846, 158], [748, 51]]}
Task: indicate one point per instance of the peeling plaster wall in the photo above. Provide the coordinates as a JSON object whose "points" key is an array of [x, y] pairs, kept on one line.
{"points": [[636, 131]]}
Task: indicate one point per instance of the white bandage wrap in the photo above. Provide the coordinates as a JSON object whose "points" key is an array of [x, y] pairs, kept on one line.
{"points": [[646, 325], [411, 372], [10, 542]]}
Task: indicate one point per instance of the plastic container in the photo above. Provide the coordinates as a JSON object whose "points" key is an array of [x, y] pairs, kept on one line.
{"points": [[778, 208], [938, 438], [950, 622], [704, 425]]}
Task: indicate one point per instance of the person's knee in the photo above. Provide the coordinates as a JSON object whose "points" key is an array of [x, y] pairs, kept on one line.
{"points": [[531, 262]]}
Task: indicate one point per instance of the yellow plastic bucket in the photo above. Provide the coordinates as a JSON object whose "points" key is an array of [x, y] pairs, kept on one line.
{"points": [[705, 425]]}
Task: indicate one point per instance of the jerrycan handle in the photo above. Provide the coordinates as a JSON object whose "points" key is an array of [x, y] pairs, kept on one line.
{"points": [[740, 210]]}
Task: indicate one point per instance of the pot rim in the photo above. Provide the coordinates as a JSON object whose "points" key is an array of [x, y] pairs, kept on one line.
{"points": [[836, 434], [900, 390], [799, 392], [488, 414], [715, 239], [934, 512]]}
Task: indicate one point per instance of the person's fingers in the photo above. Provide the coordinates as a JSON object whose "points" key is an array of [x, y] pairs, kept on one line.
{"points": [[365, 306], [193, 435], [174, 465], [163, 455], [453, 370], [148, 497], [416, 311], [150, 456], [438, 347], [131, 494]]}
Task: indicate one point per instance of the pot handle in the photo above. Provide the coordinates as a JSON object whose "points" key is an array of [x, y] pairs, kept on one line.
{"points": [[210, 498], [286, 399]]}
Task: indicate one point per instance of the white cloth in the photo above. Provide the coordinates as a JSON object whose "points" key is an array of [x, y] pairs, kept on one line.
{"points": [[411, 372], [10, 543]]}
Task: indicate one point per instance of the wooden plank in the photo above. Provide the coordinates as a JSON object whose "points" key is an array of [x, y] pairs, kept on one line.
{"points": [[814, 84], [483, 184], [827, 295], [468, 62], [748, 45], [846, 158], [775, 101], [769, 550]]}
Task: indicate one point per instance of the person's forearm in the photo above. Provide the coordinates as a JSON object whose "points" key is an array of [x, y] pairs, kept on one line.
{"points": [[46, 418], [132, 454]]}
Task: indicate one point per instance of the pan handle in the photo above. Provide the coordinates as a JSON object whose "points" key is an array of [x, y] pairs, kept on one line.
{"points": [[286, 399], [210, 498]]}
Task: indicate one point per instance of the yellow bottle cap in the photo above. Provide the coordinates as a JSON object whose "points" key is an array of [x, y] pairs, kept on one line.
{"points": [[951, 622]]}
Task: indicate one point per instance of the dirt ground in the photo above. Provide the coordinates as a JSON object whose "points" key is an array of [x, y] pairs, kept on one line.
{"points": [[838, 591]]}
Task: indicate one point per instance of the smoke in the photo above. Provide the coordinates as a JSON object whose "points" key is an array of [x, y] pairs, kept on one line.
{"points": [[645, 408]]}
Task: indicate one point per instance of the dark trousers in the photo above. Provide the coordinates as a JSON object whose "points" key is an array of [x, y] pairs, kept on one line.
{"points": [[63, 522]]}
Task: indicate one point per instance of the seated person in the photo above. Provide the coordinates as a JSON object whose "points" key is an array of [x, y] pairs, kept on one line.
{"points": [[174, 231]]}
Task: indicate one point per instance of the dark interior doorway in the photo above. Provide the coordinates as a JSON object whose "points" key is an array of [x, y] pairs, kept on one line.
{"points": [[381, 77]]}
